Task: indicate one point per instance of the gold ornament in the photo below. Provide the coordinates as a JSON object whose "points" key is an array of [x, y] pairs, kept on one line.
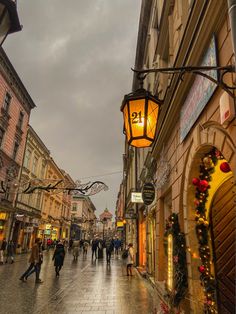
{"points": [[208, 163]]}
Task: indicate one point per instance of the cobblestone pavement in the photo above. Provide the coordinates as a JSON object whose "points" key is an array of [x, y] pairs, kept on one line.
{"points": [[83, 287]]}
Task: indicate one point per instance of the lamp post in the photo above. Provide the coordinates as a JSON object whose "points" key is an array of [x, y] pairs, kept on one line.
{"points": [[9, 20]]}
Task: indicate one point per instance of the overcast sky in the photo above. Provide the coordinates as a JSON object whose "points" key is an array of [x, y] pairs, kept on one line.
{"points": [[74, 58]]}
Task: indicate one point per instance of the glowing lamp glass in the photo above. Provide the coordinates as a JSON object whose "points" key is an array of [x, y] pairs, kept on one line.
{"points": [[140, 110]]}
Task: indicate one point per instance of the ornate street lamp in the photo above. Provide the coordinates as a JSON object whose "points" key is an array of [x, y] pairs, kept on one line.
{"points": [[140, 110], [9, 21]]}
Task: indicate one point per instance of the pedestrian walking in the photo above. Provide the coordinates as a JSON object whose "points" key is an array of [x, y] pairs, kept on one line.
{"points": [[3, 247], [75, 247], [117, 245], [109, 249], [94, 248], [85, 248], [81, 244], [58, 257], [130, 259], [35, 260], [101, 246], [10, 251], [70, 244]]}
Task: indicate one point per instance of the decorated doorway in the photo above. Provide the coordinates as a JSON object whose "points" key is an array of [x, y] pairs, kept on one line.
{"points": [[223, 232], [215, 229]]}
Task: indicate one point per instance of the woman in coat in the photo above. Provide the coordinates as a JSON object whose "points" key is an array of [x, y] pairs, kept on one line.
{"points": [[58, 257]]}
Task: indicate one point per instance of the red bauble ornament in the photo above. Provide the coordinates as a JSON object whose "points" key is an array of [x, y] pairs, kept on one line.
{"points": [[196, 202], [225, 167], [201, 268], [195, 181], [203, 185]]}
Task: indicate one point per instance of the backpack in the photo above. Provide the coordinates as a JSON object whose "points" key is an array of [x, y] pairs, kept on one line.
{"points": [[125, 253]]}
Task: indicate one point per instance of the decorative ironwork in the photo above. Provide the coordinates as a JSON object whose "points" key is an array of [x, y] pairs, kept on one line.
{"points": [[222, 71], [54, 186]]}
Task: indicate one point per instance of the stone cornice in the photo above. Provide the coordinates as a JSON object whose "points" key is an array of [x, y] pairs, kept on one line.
{"points": [[35, 136]]}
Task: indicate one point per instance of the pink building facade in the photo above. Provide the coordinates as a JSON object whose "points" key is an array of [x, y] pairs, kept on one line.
{"points": [[15, 108]]}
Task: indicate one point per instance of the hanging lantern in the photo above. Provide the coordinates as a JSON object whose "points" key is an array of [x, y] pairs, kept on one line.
{"points": [[140, 110]]}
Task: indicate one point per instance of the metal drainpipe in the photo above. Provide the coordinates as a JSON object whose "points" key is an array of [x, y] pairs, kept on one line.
{"points": [[232, 18]]}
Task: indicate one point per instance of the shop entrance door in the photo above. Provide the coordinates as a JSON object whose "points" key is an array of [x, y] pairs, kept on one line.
{"points": [[223, 232]]}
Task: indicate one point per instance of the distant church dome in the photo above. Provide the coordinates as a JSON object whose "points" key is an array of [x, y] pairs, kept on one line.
{"points": [[106, 214]]}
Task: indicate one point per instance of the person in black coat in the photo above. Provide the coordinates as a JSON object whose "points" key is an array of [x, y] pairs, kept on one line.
{"points": [[58, 257]]}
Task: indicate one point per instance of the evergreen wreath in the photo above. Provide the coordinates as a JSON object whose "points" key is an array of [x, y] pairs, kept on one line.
{"points": [[207, 167], [180, 278]]}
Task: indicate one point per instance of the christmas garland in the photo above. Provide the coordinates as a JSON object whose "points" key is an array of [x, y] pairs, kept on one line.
{"points": [[202, 228], [180, 278]]}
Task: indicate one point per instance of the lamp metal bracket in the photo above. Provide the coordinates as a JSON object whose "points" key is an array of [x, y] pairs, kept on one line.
{"points": [[200, 70]]}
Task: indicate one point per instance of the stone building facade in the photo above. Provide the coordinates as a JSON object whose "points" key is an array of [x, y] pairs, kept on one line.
{"points": [[83, 218], [192, 161]]}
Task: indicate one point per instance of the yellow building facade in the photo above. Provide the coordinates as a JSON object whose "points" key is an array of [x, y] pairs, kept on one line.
{"points": [[29, 206], [52, 206]]}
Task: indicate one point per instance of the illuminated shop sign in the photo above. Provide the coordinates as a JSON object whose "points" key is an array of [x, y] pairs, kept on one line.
{"points": [[136, 197]]}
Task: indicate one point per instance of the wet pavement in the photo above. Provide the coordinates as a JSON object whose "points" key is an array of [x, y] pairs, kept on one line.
{"points": [[83, 287]]}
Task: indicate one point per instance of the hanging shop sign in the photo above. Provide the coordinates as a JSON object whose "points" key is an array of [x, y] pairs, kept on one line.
{"points": [[136, 197], [119, 224], [148, 193]]}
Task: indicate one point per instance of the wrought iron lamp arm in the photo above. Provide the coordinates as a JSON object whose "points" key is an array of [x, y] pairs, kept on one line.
{"points": [[141, 74]]}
